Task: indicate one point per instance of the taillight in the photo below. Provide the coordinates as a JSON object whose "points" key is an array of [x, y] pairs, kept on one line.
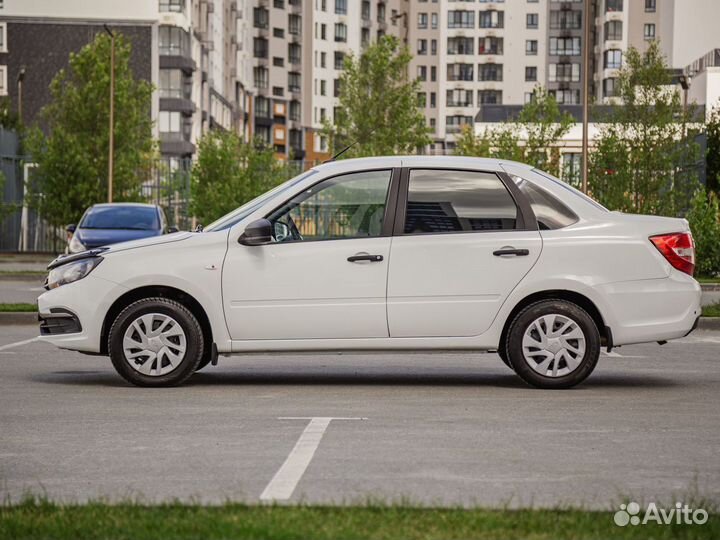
{"points": [[678, 249]]}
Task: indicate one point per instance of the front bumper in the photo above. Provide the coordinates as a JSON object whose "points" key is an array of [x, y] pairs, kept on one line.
{"points": [[71, 316]]}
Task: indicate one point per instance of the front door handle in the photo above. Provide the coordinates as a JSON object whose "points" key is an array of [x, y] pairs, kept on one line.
{"points": [[512, 251], [365, 257]]}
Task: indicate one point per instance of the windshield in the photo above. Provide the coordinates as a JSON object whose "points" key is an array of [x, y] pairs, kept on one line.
{"points": [[236, 216], [142, 218]]}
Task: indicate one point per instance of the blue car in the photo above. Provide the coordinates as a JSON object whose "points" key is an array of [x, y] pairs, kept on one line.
{"points": [[105, 224]]}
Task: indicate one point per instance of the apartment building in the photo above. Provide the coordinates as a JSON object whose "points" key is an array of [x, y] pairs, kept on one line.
{"points": [[186, 48]]}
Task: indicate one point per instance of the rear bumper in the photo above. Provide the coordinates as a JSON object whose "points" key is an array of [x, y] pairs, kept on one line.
{"points": [[653, 309]]}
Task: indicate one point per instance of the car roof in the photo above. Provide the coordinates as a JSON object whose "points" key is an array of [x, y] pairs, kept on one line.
{"points": [[461, 162], [123, 204]]}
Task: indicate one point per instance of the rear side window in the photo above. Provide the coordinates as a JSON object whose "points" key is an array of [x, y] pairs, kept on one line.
{"points": [[549, 211], [443, 201]]}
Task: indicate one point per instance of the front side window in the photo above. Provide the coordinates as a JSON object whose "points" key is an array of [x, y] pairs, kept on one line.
{"points": [[447, 201], [342, 207]]}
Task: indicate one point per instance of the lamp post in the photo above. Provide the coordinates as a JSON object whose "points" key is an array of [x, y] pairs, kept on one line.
{"points": [[111, 142], [586, 93], [20, 79]]}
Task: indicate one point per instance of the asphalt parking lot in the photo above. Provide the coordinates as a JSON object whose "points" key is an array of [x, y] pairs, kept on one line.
{"points": [[432, 428]]}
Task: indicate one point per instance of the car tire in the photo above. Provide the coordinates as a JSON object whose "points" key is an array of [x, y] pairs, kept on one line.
{"points": [[553, 344], [156, 342]]}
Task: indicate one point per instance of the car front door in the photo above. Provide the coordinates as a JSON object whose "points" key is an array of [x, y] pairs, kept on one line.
{"points": [[463, 240], [324, 275]]}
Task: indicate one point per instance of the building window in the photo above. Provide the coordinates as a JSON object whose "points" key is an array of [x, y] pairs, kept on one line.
{"points": [[341, 7], [530, 73], [323, 88], [490, 45], [532, 20], [172, 5], [571, 168], [3, 37], [262, 107], [294, 53], [531, 47], [453, 124], [422, 21], [260, 48], [459, 72], [170, 125], [566, 20], [569, 46], [381, 12], [260, 76], [173, 41], [610, 87], [613, 5], [492, 19], [422, 99], [461, 19], [3, 81], [340, 32], [336, 88], [294, 111], [339, 60], [459, 98], [650, 6], [489, 97], [365, 10], [433, 100], [422, 46], [173, 84], [649, 31], [422, 73], [261, 17], [278, 91], [294, 81], [294, 24], [278, 61], [566, 97], [279, 4], [434, 21], [613, 59], [613, 30], [490, 72], [460, 45], [564, 72]]}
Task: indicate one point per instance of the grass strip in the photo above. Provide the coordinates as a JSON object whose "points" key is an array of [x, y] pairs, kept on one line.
{"points": [[39, 520], [18, 308], [713, 310]]}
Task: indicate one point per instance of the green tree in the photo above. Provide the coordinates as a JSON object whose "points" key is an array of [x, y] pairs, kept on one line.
{"points": [[8, 118], [645, 160], [712, 155], [531, 138], [378, 105], [72, 151], [229, 173], [704, 219]]}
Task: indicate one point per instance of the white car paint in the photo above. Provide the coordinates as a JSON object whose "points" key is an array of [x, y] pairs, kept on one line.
{"points": [[429, 292]]}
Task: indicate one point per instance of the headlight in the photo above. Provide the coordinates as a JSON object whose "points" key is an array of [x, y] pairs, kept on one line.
{"points": [[67, 273], [76, 246]]}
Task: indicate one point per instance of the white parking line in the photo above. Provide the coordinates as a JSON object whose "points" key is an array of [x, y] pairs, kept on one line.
{"points": [[283, 484], [613, 354], [18, 344]]}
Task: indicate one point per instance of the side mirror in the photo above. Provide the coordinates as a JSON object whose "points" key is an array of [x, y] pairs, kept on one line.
{"points": [[257, 233], [70, 229], [171, 230]]}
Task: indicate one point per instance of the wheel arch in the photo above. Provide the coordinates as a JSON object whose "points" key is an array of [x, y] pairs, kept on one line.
{"points": [[561, 294], [150, 291]]}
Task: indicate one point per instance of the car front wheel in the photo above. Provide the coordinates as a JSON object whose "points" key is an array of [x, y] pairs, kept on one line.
{"points": [[156, 342], [553, 344]]}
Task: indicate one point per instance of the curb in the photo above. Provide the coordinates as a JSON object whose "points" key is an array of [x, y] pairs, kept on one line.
{"points": [[709, 323], [710, 287], [9, 318], [32, 278]]}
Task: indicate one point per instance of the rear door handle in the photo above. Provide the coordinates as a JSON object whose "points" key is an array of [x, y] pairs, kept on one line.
{"points": [[512, 251], [365, 257]]}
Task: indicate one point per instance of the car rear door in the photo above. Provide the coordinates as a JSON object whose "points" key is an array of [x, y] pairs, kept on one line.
{"points": [[463, 239]]}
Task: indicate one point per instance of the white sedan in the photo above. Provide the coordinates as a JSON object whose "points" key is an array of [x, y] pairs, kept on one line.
{"points": [[391, 253]]}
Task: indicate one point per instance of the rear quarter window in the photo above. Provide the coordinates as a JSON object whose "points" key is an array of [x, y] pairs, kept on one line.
{"points": [[549, 211]]}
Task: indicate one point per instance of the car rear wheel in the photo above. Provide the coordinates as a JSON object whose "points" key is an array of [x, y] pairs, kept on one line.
{"points": [[553, 344], [156, 342]]}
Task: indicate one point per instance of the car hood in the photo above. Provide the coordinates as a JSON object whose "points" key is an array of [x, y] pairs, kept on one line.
{"points": [[146, 242], [92, 238]]}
